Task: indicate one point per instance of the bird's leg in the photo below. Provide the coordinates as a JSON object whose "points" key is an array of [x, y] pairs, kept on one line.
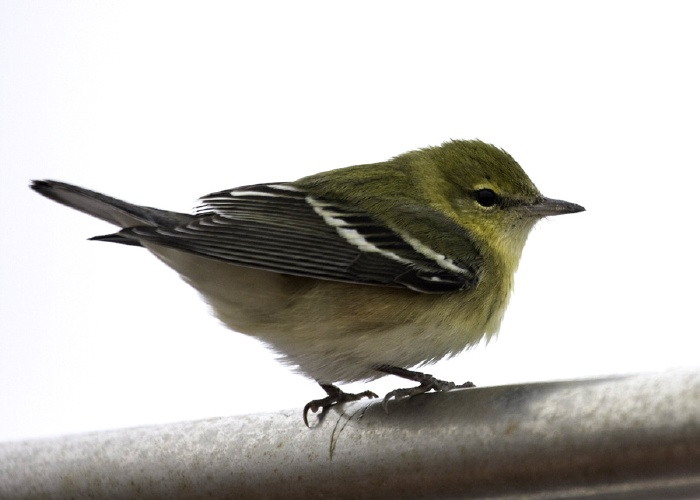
{"points": [[335, 396], [427, 382]]}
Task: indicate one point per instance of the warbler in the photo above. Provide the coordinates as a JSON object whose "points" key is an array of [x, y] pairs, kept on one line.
{"points": [[354, 273]]}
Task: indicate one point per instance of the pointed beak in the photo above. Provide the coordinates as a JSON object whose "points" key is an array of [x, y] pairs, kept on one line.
{"points": [[547, 206]]}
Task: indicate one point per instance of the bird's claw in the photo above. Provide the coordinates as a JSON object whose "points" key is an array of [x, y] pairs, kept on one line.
{"points": [[335, 396], [428, 383]]}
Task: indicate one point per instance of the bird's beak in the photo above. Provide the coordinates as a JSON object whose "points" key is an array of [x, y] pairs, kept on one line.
{"points": [[547, 206]]}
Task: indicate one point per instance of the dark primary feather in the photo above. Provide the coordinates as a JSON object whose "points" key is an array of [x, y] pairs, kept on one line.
{"points": [[275, 227]]}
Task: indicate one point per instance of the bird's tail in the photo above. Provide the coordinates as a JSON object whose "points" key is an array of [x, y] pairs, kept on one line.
{"points": [[112, 210]]}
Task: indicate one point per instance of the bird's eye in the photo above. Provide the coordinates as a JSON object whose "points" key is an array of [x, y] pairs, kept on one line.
{"points": [[486, 197]]}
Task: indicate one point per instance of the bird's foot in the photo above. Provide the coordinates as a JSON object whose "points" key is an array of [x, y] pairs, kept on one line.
{"points": [[335, 396], [427, 383]]}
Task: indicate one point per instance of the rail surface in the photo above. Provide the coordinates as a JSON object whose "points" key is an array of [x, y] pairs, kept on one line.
{"points": [[619, 437]]}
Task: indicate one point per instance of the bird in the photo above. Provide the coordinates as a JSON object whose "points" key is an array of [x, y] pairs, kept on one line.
{"points": [[354, 273]]}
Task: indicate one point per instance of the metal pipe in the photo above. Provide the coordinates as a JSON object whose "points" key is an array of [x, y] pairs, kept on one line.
{"points": [[622, 437]]}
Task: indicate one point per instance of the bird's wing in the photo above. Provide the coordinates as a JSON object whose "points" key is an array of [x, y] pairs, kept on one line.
{"points": [[281, 228]]}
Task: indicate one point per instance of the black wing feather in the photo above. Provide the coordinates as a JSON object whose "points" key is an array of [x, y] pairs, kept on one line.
{"points": [[280, 228]]}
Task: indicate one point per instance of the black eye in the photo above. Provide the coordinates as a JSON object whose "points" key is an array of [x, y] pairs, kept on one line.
{"points": [[486, 197]]}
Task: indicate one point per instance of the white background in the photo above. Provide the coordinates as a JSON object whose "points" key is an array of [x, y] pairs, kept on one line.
{"points": [[161, 102]]}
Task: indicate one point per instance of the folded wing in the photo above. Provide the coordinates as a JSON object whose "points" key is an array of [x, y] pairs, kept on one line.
{"points": [[281, 228]]}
